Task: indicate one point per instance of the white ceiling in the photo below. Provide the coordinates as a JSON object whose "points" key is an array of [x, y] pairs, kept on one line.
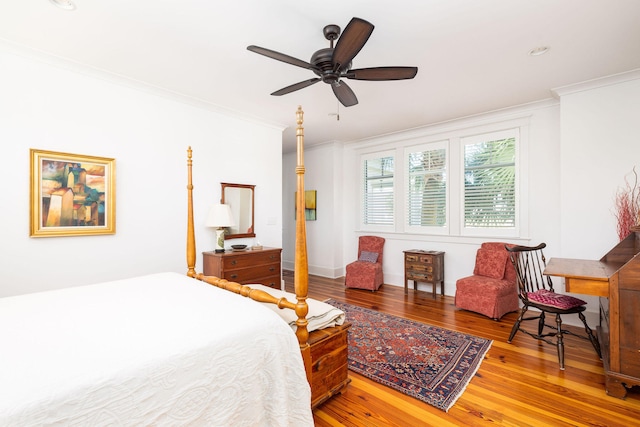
{"points": [[472, 55]]}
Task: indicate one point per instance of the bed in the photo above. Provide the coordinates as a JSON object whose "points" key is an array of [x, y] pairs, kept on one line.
{"points": [[161, 349]]}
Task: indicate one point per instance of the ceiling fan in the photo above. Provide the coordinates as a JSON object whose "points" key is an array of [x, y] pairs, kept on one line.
{"points": [[332, 65]]}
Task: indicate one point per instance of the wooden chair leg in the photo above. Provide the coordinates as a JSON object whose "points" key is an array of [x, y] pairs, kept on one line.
{"points": [[560, 343], [516, 325], [541, 321]]}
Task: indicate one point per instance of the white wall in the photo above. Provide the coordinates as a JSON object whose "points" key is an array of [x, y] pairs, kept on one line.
{"points": [[600, 130], [49, 105], [600, 127], [323, 173]]}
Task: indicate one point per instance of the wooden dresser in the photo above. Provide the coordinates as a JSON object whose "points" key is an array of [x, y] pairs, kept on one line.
{"points": [[245, 267], [615, 278], [424, 266]]}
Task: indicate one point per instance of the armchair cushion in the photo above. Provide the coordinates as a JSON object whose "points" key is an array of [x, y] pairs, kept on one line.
{"points": [[368, 256], [490, 263], [552, 299]]}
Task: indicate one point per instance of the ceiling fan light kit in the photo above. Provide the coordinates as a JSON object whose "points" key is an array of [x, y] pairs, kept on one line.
{"points": [[333, 65]]}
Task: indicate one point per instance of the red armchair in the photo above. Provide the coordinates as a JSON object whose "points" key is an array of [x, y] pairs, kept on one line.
{"points": [[492, 289], [366, 272]]}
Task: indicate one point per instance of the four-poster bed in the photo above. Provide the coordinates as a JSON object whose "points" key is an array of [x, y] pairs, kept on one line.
{"points": [[165, 349]]}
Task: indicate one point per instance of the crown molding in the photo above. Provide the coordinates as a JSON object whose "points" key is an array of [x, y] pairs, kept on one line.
{"points": [[597, 83]]}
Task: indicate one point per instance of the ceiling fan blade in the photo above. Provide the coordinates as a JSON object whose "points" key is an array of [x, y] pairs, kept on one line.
{"points": [[296, 86], [280, 56], [353, 38], [382, 73], [344, 94]]}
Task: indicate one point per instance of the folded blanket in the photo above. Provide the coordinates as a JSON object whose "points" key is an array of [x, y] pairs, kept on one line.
{"points": [[321, 315]]}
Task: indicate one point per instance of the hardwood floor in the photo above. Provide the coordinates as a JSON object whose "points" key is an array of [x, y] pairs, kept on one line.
{"points": [[518, 384]]}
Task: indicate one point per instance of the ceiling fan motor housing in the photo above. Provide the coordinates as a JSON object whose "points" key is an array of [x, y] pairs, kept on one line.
{"points": [[323, 66]]}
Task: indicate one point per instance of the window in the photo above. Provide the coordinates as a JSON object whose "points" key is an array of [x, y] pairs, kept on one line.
{"points": [[378, 185], [463, 182], [426, 188], [490, 181]]}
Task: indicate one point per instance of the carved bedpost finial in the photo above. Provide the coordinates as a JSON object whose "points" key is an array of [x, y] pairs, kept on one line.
{"points": [[299, 115]]}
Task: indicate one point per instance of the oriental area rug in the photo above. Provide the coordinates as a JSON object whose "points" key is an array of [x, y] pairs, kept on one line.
{"points": [[426, 362]]}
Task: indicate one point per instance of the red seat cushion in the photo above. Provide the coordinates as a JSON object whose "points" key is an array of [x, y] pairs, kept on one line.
{"points": [[552, 299]]}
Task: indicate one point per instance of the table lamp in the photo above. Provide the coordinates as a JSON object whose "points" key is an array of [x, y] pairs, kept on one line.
{"points": [[220, 217]]}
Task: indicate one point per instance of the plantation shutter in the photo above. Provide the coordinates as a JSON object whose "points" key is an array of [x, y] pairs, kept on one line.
{"points": [[427, 188], [490, 181], [378, 191]]}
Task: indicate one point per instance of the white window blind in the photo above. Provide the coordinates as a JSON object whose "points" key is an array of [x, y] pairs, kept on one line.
{"points": [[378, 191], [427, 186], [490, 180]]}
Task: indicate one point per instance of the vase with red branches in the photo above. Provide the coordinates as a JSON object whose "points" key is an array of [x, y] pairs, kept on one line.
{"points": [[627, 207]]}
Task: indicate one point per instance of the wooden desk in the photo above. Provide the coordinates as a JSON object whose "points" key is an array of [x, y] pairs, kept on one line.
{"points": [[615, 278], [582, 276]]}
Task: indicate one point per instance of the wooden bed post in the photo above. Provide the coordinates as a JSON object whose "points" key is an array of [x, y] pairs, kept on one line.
{"points": [[301, 273], [191, 235], [301, 268]]}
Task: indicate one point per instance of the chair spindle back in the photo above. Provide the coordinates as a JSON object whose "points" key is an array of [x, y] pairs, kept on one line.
{"points": [[530, 262]]}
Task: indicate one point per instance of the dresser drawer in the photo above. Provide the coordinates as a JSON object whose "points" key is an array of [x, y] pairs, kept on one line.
{"points": [[246, 274], [272, 281], [250, 259]]}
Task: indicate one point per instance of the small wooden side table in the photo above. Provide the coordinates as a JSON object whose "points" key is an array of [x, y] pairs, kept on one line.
{"points": [[424, 266]]}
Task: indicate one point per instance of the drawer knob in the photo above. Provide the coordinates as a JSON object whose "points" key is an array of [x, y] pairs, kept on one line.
{"points": [[233, 276], [234, 262]]}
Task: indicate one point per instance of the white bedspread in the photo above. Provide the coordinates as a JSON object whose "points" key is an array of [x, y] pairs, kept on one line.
{"points": [[161, 349]]}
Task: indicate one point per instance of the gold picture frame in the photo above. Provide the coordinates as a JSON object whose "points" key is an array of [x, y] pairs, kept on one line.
{"points": [[71, 194]]}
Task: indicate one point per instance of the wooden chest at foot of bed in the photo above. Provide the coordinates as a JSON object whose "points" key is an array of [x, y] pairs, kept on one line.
{"points": [[329, 352]]}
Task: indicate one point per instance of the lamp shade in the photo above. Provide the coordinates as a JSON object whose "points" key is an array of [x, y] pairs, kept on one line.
{"points": [[220, 216]]}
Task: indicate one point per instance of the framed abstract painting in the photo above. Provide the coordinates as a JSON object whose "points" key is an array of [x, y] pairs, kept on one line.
{"points": [[72, 194]]}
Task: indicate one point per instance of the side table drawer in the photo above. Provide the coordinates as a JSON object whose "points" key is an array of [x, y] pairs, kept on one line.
{"points": [[417, 268], [426, 259], [420, 277]]}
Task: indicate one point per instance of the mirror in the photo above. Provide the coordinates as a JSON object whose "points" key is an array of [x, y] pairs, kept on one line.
{"points": [[239, 197]]}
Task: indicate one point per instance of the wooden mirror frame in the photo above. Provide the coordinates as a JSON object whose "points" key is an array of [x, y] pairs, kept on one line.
{"points": [[234, 209]]}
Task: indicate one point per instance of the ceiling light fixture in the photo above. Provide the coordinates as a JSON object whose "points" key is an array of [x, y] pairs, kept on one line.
{"points": [[64, 4], [537, 51]]}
